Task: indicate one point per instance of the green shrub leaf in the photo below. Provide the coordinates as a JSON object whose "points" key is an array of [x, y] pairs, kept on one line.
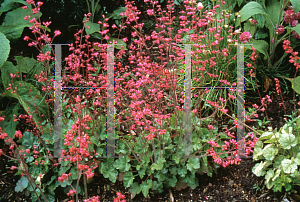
{"points": [[5, 48], [145, 187], [287, 141], [296, 5], [128, 179], [289, 166], [251, 9]]}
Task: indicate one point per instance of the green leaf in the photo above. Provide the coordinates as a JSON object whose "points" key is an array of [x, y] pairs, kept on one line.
{"points": [[21, 184], [295, 84], [25, 64], [287, 141], [108, 170], [273, 8], [158, 186], [296, 28], [9, 125], [296, 5], [8, 4], [31, 100], [94, 27], [269, 152], [14, 23], [135, 189], [5, 48], [145, 187], [289, 166], [193, 164], [159, 164], [29, 140], [7, 69], [170, 181], [120, 43], [251, 9], [122, 164], [116, 13], [128, 179], [191, 180], [259, 169], [261, 46]]}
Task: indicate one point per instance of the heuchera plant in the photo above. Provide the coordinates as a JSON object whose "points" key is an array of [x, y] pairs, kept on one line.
{"points": [[148, 103]]}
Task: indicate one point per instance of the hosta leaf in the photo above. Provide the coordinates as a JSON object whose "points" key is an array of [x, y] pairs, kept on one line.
{"points": [[5, 48]]}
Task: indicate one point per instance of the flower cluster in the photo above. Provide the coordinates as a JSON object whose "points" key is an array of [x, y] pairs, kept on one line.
{"points": [[119, 198]]}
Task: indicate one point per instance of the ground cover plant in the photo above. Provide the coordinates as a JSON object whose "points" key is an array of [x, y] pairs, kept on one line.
{"points": [[150, 103]]}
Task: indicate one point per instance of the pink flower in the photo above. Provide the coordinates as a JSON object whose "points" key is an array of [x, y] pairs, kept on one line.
{"points": [[280, 29], [150, 12], [297, 16], [289, 16], [245, 36], [253, 22], [57, 32], [294, 23]]}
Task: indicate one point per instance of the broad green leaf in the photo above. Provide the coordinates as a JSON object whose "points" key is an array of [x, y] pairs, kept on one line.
{"points": [[116, 13], [5, 48], [25, 64], [14, 23], [30, 98], [193, 164], [261, 46], [170, 181], [295, 83], [145, 187], [158, 186], [273, 10], [287, 141], [288, 166], [135, 189], [296, 5], [9, 125], [296, 29], [191, 180], [159, 164], [7, 69], [108, 171], [8, 4], [269, 152], [120, 43], [128, 179], [251, 9], [269, 175], [122, 164], [29, 140], [21, 184], [93, 27], [259, 169]]}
